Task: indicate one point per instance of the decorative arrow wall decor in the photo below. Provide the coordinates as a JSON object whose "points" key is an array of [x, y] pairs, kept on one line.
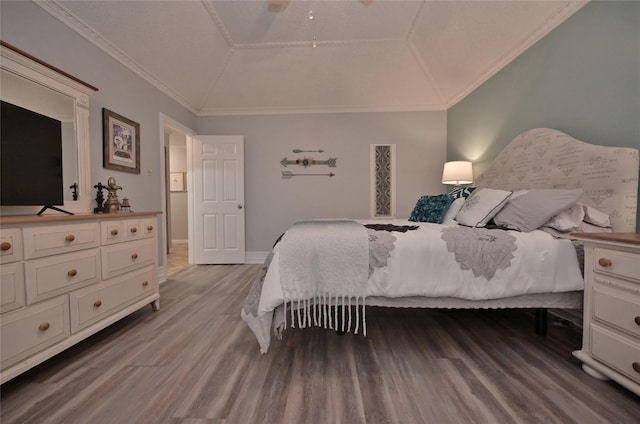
{"points": [[288, 174], [307, 151], [331, 162]]}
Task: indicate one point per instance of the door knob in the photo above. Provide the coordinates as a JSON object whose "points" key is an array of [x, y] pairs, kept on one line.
{"points": [[239, 206]]}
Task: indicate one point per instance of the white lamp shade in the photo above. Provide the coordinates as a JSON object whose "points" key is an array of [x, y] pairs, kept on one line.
{"points": [[457, 172]]}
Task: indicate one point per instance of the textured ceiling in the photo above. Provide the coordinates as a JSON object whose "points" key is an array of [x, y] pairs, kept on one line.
{"points": [[242, 57]]}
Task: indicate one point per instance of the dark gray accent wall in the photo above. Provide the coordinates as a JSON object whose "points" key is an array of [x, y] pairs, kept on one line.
{"points": [[583, 78]]}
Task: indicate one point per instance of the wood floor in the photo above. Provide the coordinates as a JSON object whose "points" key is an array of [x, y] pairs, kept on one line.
{"points": [[195, 361]]}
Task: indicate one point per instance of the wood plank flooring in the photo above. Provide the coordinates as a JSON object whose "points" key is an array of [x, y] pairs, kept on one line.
{"points": [[195, 361]]}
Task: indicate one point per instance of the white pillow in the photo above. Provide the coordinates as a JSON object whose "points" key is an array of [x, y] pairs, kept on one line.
{"points": [[595, 217], [568, 220], [481, 206], [454, 208]]}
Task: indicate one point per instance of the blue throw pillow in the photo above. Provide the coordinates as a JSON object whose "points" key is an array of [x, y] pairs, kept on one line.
{"points": [[431, 208]]}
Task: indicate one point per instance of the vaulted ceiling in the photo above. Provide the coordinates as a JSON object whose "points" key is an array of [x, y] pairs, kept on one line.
{"points": [[258, 56]]}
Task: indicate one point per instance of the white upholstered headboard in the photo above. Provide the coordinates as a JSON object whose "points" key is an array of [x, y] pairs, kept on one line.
{"points": [[546, 158]]}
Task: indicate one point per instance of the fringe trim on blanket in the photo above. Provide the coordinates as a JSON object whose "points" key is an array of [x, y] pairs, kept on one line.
{"points": [[317, 312]]}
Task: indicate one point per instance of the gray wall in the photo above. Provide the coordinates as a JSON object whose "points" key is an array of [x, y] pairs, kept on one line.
{"points": [[30, 28], [583, 79], [273, 203], [178, 200]]}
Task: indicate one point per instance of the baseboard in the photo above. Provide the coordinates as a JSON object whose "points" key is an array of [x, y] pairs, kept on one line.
{"points": [[255, 257]]}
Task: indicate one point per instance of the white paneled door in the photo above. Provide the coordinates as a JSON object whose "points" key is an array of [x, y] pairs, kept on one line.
{"points": [[216, 199]]}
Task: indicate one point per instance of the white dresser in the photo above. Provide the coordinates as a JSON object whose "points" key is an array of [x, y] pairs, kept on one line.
{"points": [[611, 332], [64, 278]]}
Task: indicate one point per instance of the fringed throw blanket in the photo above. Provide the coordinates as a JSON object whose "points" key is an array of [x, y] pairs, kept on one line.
{"points": [[325, 264]]}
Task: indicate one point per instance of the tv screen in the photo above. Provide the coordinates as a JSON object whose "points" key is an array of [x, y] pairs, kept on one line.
{"points": [[30, 158]]}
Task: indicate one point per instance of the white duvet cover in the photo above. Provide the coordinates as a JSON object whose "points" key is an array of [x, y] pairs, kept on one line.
{"points": [[422, 263]]}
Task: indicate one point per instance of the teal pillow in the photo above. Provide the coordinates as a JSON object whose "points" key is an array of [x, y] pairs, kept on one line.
{"points": [[431, 208], [463, 192]]}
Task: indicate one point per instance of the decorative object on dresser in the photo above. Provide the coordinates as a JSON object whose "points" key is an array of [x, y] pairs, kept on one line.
{"points": [[112, 203], [611, 329], [65, 278]]}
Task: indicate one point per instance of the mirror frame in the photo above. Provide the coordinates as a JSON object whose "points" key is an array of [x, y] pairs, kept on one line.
{"points": [[31, 68]]}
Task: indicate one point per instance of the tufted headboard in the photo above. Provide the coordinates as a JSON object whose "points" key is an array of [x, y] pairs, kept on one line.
{"points": [[546, 158]]}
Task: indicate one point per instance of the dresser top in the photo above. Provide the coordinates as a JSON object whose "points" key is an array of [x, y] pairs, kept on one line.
{"points": [[33, 219], [631, 238]]}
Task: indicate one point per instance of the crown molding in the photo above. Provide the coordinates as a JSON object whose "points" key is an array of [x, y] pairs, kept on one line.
{"points": [[54, 8], [553, 22]]}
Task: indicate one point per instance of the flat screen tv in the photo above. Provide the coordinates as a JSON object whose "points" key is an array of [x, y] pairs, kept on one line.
{"points": [[30, 159]]}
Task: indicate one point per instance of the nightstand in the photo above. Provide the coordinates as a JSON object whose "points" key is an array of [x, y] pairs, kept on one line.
{"points": [[611, 329]]}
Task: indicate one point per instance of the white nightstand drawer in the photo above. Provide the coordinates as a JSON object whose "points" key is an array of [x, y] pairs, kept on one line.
{"points": [[125, 257], [618, 352], [45, 241], [616, 263], [10, 245], [617, 308], [91, 304], [51, 276], [31, 330], [12, 287]]}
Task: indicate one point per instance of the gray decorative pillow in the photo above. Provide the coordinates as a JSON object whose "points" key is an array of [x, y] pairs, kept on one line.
{"points": [[431, 208], [481, 206], [528, 210]]}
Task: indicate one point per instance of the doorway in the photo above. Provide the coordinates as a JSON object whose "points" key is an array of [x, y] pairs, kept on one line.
{"points": [[174, 146]]}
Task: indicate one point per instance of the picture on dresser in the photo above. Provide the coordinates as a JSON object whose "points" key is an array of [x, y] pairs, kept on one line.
{"points": [[121, 143]]}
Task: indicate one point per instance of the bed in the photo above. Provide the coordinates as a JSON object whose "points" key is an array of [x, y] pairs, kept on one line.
{"points": [[506, 244]]}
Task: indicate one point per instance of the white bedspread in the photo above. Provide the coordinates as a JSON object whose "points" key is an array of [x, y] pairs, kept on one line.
{"points": [[421, 265]]}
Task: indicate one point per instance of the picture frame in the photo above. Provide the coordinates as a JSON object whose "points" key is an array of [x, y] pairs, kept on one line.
{"points": [[177, 182], [121, 142]]}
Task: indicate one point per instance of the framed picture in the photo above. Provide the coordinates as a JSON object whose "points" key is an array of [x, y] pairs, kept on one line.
{"points": [[177, 181], [121, 139]]}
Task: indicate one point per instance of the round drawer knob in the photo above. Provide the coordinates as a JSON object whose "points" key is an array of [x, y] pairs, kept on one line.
{"points": [[72, 272], [114, 232], [97, 303], [145, 283], [133, 230], [604, 262], [44, 326], [5, 245], [637, 320], [150, 228], [134, 256], [70, 237], [636, 367]]}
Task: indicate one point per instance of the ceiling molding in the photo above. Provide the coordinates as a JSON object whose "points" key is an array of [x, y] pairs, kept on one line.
{"points": [[563, 14], [90, 34], [308, 110]]}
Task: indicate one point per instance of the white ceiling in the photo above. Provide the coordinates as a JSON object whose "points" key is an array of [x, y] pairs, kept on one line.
{"points": [[248, 57]]}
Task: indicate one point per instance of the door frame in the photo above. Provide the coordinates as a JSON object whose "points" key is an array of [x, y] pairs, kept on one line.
{"points": [[171, 124]]}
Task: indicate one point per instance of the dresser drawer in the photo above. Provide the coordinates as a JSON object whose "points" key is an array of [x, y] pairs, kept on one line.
{"points": [[618, 309], [54, 275], [12, 287], [124, 257], [618, 352], [618, 264], [118, 231], [53, 240], [28, 331], [91, 304], [10, 245]]}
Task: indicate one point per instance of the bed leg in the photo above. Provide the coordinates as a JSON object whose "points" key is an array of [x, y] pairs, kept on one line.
{"points": [[541, 321]]}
